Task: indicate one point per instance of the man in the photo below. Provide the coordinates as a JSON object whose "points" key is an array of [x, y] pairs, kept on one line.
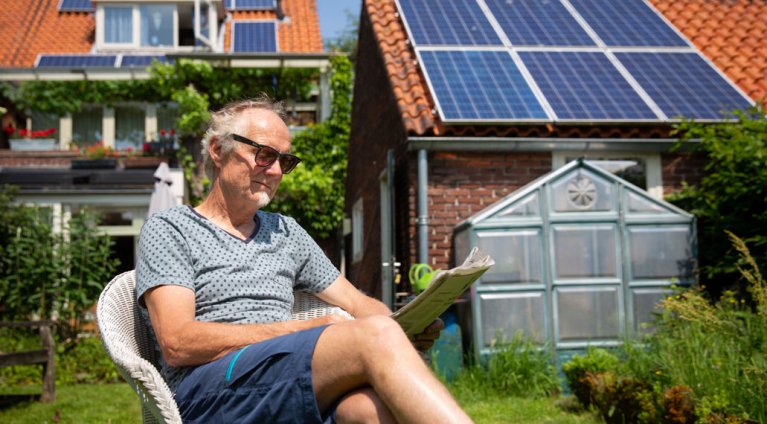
{"points": [[217, 283]]}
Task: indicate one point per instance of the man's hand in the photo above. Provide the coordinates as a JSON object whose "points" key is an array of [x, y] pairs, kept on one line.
{"points": [[425, 339]]}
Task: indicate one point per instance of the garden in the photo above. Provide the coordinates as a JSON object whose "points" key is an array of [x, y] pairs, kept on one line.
{"points": [[705, 360]]}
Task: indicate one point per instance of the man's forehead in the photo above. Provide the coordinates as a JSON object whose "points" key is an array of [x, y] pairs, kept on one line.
{"points": [[263, 122]]}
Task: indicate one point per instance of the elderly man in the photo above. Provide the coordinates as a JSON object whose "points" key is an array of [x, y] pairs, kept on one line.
{"points": [[216, 281]]}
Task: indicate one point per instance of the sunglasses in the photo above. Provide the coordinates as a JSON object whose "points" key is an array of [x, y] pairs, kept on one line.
{"points": [[266, 156]]}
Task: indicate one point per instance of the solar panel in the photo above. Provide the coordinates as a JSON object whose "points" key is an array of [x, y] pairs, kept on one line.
{"points": [[255, 37], [479, 86], [448, 23], [683, 84], [585, 86], [142, 60], [250, 4], [76, 60], [75, 6], [627, 23], [538, 23]]}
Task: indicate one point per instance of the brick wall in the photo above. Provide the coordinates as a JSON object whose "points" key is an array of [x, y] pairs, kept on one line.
{"points": [[462, 184], [376, 128], [47, 159], [681, 167]]}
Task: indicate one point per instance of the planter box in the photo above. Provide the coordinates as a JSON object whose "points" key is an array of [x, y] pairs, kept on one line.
{"points": [[142, 162], [33, 144], [106, 163]]}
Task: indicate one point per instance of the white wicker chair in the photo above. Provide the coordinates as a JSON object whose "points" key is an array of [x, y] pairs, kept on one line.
{"points": [[127, 341]]}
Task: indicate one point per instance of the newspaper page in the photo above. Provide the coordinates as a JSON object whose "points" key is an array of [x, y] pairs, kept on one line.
{"points": [[444, 288]]}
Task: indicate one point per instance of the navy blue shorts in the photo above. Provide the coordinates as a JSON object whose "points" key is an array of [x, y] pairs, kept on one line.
{"points": [[266, 382]]}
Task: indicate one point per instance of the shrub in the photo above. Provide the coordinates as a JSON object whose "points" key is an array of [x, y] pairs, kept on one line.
{"points": [[706, 361], [594, 361]]}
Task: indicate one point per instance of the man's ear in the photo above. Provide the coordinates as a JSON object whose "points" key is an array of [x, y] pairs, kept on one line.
{"points": [[214, 150]]}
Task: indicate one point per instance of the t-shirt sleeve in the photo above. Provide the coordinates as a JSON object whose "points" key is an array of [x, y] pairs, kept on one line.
{"points": [[163, 257], [315, 272]]}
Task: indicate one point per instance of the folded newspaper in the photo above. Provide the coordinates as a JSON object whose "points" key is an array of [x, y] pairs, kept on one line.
{"points": [[443, 289]]}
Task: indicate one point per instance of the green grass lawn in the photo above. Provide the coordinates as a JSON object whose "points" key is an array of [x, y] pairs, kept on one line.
{"points": [[84, 403], [116, 403]]}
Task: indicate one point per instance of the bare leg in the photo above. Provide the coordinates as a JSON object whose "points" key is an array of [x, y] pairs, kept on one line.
{"points": [[363, 406], [374, 351]]}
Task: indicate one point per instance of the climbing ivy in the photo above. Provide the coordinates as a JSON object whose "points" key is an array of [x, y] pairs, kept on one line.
{"points": [[313, 193]]}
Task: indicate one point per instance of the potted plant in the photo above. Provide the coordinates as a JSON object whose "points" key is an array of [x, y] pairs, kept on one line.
{"points": [[31, 140], [165, 144], [97, 156]]}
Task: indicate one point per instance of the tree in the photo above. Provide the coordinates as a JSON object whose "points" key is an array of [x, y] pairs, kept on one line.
{"points": [[346, 40], [314, 193], [732, 195]]}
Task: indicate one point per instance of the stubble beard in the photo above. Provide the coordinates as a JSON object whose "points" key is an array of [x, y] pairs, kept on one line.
{"points": [[262, 199]]}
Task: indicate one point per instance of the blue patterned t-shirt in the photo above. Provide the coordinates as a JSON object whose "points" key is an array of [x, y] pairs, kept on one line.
{"points": [[234, 280]]}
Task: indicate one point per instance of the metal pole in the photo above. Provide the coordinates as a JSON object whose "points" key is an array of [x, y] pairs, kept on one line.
{"points": [[422, 221]]}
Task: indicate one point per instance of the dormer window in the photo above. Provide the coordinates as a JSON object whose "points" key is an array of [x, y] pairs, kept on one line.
{"points": [[118, 25], [151, 25], [157, 25]]}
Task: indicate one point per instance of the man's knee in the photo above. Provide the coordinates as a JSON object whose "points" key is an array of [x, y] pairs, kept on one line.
{"points": [[362, 406], [382, 333]]}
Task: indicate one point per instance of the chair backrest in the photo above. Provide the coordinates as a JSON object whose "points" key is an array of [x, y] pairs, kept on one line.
{"points": [[127, 341]]}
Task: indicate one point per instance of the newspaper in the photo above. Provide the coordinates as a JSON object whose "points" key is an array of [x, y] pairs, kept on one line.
{"points": [[444, 288]]}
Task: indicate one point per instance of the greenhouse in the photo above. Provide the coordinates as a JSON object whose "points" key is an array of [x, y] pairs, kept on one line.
{"points": [[582, 258]]}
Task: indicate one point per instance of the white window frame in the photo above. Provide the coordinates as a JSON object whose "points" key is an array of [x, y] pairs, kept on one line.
{"points": [[652, 162], [135, 44], [357, 231]]}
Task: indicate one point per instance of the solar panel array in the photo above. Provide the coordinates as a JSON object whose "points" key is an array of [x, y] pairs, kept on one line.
{"points": [[250, 4], [76, 61], [500, 61], [98, 61], [75, 6], [254, 37]]}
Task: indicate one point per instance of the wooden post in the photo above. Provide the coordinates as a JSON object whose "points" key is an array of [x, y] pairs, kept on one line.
{"points": [[49, 368]]}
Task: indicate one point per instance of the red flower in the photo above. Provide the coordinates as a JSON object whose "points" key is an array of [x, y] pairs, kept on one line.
{"points": [[172, 132], [162, 132], [23, 132], [10, 130]]}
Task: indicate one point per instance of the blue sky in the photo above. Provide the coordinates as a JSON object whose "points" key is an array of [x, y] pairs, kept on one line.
{"points": [[333, 15]]}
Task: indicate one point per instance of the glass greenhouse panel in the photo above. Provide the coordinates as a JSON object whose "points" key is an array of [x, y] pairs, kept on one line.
{"points": [[640, 205], [582, 191], [646, 302], [505, 315], [660, 252], [529, 206], [588, 313], [585, 251], [517, 256]]}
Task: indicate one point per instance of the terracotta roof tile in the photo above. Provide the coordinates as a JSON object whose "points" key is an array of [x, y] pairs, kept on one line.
{"points": [[731, 33], [36, 26]]}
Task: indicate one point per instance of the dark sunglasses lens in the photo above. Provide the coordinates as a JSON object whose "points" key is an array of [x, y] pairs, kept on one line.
{"points": [[266, 156], [287, 163]]}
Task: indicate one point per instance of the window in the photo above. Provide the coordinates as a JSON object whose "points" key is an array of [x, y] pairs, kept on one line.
{"points": [[157, 25], [357, 229], [86, 126], [118, 25], [129, 127]]}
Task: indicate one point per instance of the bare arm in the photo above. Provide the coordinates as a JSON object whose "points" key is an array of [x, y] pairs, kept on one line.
{"points": [[342, 293], [185, 341]]}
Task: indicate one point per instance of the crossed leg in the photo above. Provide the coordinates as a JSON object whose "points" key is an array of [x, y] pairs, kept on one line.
{"points": [[371, 366]]}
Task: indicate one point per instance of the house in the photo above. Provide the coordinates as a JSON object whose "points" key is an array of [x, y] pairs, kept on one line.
{"points": [[462, 108], [116, 40]]}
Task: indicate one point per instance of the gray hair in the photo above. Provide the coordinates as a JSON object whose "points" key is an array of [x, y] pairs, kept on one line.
{"points": [[226, 122]]}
